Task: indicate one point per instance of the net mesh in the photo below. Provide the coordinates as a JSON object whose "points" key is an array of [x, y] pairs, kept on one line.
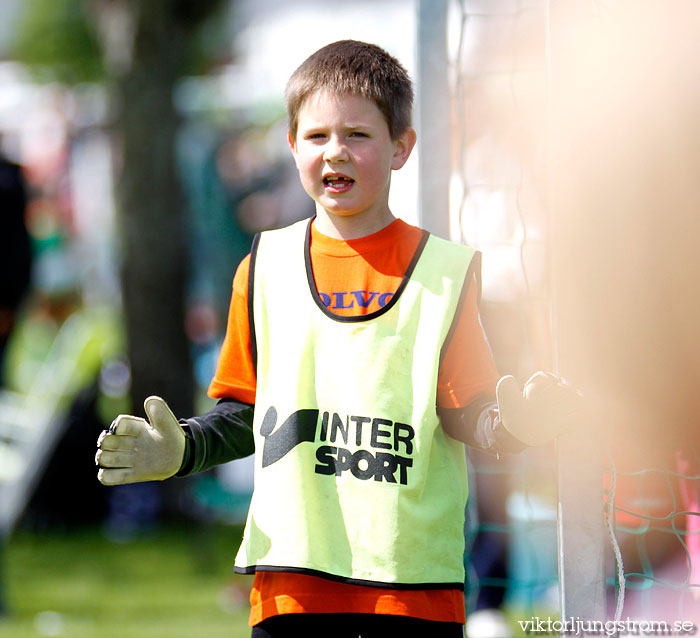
{"points": [[655, 516]]}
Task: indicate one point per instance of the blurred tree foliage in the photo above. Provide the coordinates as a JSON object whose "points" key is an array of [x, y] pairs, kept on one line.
{"points": [[57, 41], [139, 48], [61, 40]]}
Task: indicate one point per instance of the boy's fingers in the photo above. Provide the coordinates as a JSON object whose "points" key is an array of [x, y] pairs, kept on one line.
{"points": [[106, 458], [135, 450], [538, 413], [551, 394], [115, 476], [115, 442], [541, 384], [127, 425]]}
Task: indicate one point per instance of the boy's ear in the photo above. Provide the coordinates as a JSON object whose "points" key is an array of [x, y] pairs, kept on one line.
{"points": [[292, 147], [403, 147]]}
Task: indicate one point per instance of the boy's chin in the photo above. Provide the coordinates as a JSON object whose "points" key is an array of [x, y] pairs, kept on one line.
{"points": [[347, 209], [339, 213], [354, 224]]}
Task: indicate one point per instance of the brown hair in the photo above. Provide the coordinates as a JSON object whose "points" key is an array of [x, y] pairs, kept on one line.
{"points": [[354, 68]]}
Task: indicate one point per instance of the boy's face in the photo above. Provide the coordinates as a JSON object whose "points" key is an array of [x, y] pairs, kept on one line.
{"points": [[345, 155]]}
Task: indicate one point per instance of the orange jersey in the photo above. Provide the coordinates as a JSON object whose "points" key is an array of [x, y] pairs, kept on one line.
{"points": [[357, 277]]}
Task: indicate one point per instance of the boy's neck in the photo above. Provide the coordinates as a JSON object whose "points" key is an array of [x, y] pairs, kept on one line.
{"points": [[352, 226]]}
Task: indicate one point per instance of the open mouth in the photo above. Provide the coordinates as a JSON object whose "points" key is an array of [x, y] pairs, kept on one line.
{"points": [[338, 182]]}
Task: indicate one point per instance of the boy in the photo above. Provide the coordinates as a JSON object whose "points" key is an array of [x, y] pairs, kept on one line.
{"points": [[354, 363]]}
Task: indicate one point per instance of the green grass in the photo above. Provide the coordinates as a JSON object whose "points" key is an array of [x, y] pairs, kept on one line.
{"points": [[176, 584]]}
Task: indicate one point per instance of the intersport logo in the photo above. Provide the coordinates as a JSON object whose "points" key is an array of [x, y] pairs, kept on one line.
{"points": [[383, 448]]}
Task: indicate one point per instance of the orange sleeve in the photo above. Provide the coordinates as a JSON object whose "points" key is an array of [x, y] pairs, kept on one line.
{"points": [[235, 376], [468, 368]]}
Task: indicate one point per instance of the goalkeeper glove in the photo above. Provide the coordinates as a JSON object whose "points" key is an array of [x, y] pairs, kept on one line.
{"points": [[134, 450], [543, 409]]}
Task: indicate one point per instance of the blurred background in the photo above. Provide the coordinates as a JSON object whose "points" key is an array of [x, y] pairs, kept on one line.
{"points": [[144, 143]]}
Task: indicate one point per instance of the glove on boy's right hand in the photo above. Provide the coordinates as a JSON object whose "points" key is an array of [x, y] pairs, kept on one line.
{"points": [[133, 450]]}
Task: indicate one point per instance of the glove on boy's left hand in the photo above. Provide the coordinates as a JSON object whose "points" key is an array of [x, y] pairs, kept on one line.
{"points": [[545, 407]]}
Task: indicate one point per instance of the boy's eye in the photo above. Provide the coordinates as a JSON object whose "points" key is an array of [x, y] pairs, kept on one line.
{"points": [[358, 134], [315, 136]]}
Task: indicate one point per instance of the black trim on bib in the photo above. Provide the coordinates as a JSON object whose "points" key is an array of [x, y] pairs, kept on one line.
{"points": [[251, 287], [371, 315], [349, 581], [473, 272]]}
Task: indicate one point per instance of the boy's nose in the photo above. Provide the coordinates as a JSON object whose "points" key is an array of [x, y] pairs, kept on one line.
{"points": [[335, 151]]}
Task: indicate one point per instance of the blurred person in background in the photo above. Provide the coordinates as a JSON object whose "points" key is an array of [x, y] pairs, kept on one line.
{"points": [[15, 251], [15, 266]]}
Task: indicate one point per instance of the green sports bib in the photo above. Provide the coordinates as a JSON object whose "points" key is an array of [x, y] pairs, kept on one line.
{"points": [[355, 480]]}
